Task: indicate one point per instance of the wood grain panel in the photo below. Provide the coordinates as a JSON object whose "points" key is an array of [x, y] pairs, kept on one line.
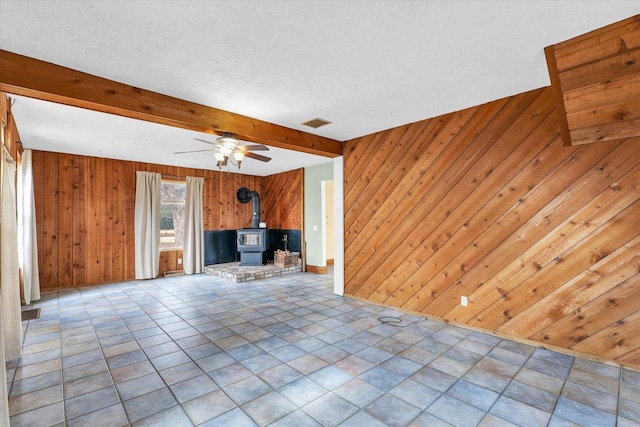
{"points": [[85, 213], [65, 225], [587, 73], [11, 136], [169, 261], [282, 200], [542, 238]]}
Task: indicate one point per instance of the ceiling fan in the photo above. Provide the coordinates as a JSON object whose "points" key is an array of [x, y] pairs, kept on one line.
{"points": [[228, 149]]}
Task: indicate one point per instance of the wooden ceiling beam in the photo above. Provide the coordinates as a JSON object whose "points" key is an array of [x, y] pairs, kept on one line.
{"points": [[22, 75]]}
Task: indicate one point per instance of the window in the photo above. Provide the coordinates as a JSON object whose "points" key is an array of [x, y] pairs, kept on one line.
{"points": [[172, 204]]}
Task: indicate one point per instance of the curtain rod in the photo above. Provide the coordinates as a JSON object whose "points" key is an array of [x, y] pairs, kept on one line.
{"points": [[181, 178]]}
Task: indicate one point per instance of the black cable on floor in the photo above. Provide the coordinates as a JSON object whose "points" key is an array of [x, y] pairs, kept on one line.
{"points": [[391, 320]]}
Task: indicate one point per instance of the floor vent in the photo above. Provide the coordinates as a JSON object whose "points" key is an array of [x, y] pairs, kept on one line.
{"points": [[173, 273], [31, 314]]}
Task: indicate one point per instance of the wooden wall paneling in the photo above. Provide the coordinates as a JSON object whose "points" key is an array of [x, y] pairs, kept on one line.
{"points": [[614, 341], [4, 109], [211, 191], [129, 188], [540, 210], [92, 203], [283, 199], [291, 214], [631, 358], [50, 220], [116, 188], [473, 203], [601, 43], [590, 63], [478, 223], [169, 261], [368, 193], [12, 137], [471, 281], [362, 152], [598, 212], [610, 132], [607, 113], [235, 210], [598, 279], [542, 238], [361, 227], [599, 95], [79, 222], [216, 201], [382, 155], [603, 241], [37, 158], [550, 203], [224, 211], [65, 215], [85, 215], [619, 66], [106, 219], [593, 313], [418, 178], [395, 251]]}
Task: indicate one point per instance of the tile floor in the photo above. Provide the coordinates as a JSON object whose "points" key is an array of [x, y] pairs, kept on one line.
{"points": [[285, 351]]}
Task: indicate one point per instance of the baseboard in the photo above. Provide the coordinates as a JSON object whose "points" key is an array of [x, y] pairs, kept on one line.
{"points": [[329, 262], [316, 269]]}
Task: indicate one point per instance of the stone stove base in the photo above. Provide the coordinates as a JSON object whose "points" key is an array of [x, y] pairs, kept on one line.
{"points": [[234, 272]]}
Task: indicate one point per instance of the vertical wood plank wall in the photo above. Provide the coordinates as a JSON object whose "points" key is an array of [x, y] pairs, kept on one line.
{"points": [[488, 203], [85, 215], [283, 199], [10, 129]]}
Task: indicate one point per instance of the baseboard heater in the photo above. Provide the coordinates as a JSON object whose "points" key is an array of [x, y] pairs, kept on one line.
{"points": [[173, 273]]}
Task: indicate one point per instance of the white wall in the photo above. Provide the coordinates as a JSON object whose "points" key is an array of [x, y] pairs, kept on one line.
{"points": [[327, 188], [314, 223], [338, 215]]}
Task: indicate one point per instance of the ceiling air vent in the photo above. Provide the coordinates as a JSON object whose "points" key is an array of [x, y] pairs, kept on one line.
{"points": [[316, 123]]}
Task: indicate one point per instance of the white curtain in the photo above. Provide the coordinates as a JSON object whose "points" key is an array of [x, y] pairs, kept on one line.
{"points": [[4, 397], [10, 279], [193, 256], [147, 224], [10, 316], [27, 239]]}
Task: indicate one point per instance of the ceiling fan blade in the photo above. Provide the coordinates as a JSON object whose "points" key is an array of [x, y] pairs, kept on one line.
{"points": [[257, 157], [207, 142], [255, 147], [194, 151]]}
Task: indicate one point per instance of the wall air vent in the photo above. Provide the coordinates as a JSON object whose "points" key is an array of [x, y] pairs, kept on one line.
{"points": [[316, 123]]}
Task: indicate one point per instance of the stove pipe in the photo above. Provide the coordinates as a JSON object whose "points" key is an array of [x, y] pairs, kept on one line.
{"points": [[244, 195]]}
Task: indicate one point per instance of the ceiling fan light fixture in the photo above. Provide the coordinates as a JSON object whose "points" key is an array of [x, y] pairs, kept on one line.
{"points": [[227, 140], [239, 156]]}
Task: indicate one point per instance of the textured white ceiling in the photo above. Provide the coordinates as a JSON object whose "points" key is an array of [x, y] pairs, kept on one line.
{"points": [[363, 65]]}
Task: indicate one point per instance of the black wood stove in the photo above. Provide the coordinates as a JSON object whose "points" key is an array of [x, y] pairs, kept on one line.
{"points": [[252, 242]]}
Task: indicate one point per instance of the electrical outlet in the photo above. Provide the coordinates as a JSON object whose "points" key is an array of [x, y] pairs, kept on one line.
{"points": [[463, 301], [179, 261], [315, 228]]}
